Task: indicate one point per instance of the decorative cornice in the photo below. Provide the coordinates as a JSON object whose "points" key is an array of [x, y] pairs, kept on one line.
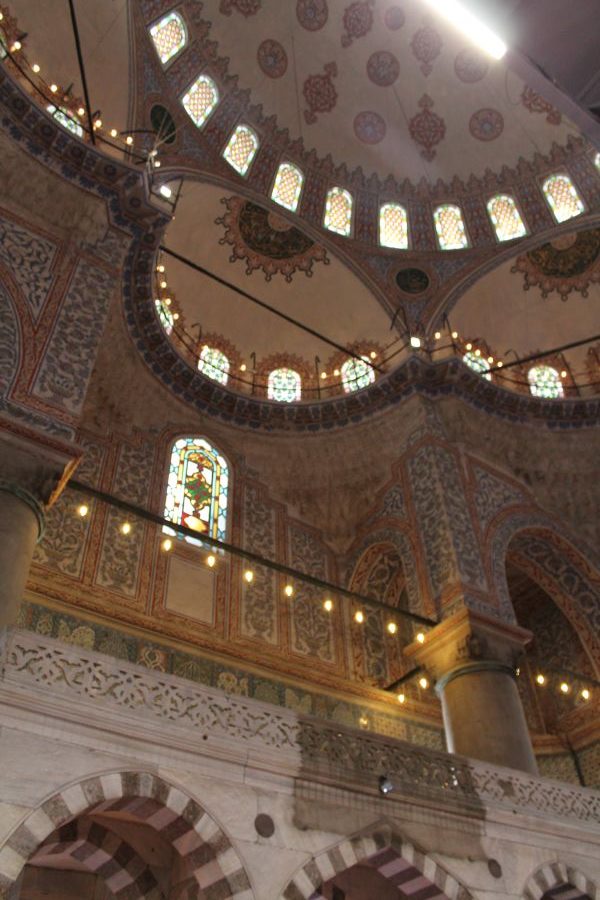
{"points": [[43, 674]]}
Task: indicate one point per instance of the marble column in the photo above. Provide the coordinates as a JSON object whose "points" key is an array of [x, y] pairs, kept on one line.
{"points": [[472, 659], [33, 470]]}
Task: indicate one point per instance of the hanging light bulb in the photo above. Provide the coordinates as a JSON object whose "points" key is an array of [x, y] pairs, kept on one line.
{"points": [[401, 698], [540, 679], [211, 560], [288, 590], [328, 605], [499, 364], [564, 687], [167, 545], [437, 335], [420, 637], [359, 616], [423, 683], [113, 132], [585, 694], [129, 140], [469, 346], [81, 111], [454, 335], [35, 68], [249, 576], [126, 528], [392, 627], [83, 510]]}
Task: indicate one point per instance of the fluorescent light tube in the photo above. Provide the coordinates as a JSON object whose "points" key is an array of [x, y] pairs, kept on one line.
{"points": [[463, 19]]}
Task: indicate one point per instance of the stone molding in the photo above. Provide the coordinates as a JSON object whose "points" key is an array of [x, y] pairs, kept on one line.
{"points": [[40, 674], [34, 466], [469, 641]]}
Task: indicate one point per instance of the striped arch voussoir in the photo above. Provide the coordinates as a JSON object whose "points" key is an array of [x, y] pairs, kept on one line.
{"points": [[555, 875], [397, 860], [209, 857]]}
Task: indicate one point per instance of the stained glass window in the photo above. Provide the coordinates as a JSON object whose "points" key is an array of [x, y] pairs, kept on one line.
{"points": [[597, 161], [284, 385], [450, 227], [288, 186], [214, 364], [478, 364], [165, 315], [197, 488], [66, 119], [393, 226], [562, 197], [241, 149], [544, 381], [169, 36], [338, 211], [506, 218], [357, 374], [200, 100]]}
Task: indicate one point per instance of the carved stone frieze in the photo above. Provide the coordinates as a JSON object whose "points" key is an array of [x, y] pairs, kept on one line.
{"points": [[50, 672]]}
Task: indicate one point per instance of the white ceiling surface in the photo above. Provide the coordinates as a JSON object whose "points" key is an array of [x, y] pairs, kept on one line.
{"points": [[333, 301], [498, 310], [308, 52], [103, 28]]}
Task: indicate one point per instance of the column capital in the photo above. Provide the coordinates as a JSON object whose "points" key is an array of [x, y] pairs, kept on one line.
{"points": [[469, 641], [33, 465]]}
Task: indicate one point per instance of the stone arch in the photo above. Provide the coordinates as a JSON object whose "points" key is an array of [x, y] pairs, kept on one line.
{"points": [[212, 861], [398, 541], [570, 577], [383, 567], [551, 880], [399, 861]]}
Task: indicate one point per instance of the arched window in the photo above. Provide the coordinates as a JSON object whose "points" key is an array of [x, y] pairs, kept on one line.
{"points": [[338, 211], [478, 364], [393, 226], [506, 218], [214, 364], [169, 36], [165, 315], [285, 385], [200, 100], [197, 488], [450, 228], [288, 186], [241, 149], [597, 161], [544, 381], [562, 197], [357, 374], [66, 119]]}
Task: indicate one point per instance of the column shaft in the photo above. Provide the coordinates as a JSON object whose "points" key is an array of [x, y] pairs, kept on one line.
{"points": [[19, 531]]}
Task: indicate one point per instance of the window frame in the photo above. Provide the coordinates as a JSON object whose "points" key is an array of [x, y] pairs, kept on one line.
{"points": [[519, 211], [382, 205], [173, 57]]}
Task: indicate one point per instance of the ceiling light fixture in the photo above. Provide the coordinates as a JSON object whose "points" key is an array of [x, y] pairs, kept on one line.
{"points": [[386, 786], [415, 342], [464, 20]]}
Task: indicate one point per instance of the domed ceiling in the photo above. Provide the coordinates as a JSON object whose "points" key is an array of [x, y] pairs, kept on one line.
{"points": [[387, 86], [265, 254]]}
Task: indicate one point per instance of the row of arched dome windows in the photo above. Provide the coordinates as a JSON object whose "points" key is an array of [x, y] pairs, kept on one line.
{"points": [[170, 37], [544, 381], [284, 384]]}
